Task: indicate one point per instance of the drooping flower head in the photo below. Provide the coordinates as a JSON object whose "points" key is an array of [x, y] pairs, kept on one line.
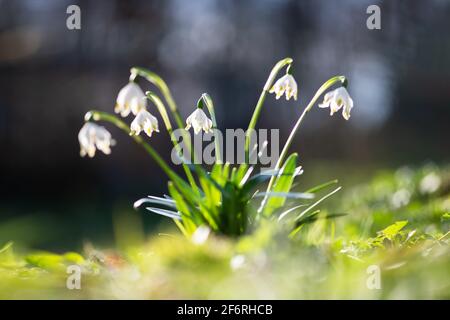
{"points": [[144, 121], [199, 120], [131, 98], [285, 85], [337, 99], [93, 137]]}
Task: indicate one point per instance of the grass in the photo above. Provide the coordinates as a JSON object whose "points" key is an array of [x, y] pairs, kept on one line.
{"points": [[399, 221]]}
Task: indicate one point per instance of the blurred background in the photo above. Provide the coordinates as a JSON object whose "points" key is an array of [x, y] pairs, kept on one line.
{"points": [[51, 198]]}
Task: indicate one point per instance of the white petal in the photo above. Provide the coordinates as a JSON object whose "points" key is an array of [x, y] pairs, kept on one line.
{"points": [[285, 85], [92, 137], [337, 99], [144, 121], [130, 98], [198, 120], [334, 107], [327, 99]]}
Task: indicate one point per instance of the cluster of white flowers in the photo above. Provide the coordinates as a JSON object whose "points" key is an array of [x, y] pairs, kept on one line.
{"points": [[131, 99], [335, 100]]}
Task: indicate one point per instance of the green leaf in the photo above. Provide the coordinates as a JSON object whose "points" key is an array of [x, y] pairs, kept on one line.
{"points": [[241, 173], [283, 184], [391, 231], [315, 216], [250, 186], [287, 195], [290, 210], [164, 212], [73, 257], [312, 218], [303, 213], [155, 200], [190, 216], [322, 186], [6, 246], [46, 261], [233, 215]]}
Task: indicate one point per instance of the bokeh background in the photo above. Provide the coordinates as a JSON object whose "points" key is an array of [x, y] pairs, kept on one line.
{"points": [[50, 76]]}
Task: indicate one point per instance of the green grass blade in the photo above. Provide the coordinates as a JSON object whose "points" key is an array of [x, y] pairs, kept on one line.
{"points": [[283, 184]]}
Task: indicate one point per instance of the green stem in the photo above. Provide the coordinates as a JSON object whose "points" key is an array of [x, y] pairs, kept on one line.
{"points": [[157, 81], [104, 116], [273, 74], [162, 86], [163, 112], [210, 105], [329, 83]]}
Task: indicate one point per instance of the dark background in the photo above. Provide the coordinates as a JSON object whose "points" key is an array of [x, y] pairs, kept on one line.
{"points": [[50, 76]]}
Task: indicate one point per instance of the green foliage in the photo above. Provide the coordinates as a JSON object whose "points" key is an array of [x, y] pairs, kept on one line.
{"points": [[328, 261], [228, 198], [393, 230], [283, 184]]}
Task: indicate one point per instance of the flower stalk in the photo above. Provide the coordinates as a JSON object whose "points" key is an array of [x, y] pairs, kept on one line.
{"points": [[329, 83], [158, 82], [162, 86], [104, 116], [163, 112], [210, 105], [256, 113]]}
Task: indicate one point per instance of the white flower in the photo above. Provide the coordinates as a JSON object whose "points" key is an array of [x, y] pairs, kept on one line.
{"points": [[285, 85], [130, 98], [199, 120], [430, 183], [237, 262], [144, 121], [336, 100], [400, 198], [93, 137]]}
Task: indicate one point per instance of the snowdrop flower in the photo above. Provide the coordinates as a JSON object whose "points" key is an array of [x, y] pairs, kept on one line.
{"points": [[93, 137], [144, 121], [336, 100], [199, 120], [130, 98], [285, 85]]}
